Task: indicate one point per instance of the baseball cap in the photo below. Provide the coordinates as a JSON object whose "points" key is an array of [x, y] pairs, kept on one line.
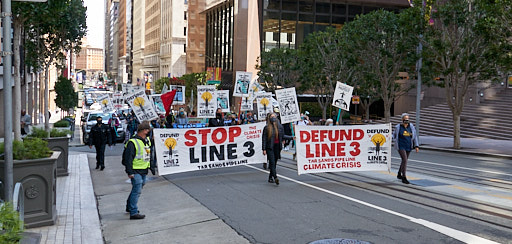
{"points": [[144, 125]]}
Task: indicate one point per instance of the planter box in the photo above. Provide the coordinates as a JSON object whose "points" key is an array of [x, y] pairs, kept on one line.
{"points": [[38, 177], [60, 144]]}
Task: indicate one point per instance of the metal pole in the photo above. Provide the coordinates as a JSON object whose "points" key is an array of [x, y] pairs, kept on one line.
{"points": [[8, 137]]}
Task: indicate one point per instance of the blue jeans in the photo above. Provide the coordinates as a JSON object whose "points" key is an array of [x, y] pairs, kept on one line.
{"points": [[138, 182]]}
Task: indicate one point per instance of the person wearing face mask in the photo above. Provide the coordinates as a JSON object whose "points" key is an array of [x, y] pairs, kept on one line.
{"points": [[329, 122], [218, 120], [100, 136], [272, 138], [405, 139], [182, 118]]}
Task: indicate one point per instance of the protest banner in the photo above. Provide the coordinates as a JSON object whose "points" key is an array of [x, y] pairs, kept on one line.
{"points": [[246, 104], [342, 96], [264, 101], [141, 105], [157, 103], [223, 100], [289, 107], [182, 150], [243, 80], [206, 101], [179, 98], [118, 100], [343, 148], [106, 103]]}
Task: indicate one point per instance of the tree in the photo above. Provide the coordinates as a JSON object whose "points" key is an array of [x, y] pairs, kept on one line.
{"points": [[383, 45], [192, 80], [66, 96], [469, 42], [54, 29], [324, 62], [278, 68]]}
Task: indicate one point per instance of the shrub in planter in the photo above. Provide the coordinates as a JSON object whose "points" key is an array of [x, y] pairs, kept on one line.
{"points": [[58, 141], [30, 148], [41, 133], [11, 226], [61, 123]]}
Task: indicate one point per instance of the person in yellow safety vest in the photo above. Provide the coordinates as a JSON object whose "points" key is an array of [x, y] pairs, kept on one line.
{"points": [[136, 159]]}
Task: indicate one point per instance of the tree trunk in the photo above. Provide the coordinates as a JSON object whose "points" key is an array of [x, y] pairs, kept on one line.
{"points": [[46, 94], [17, 82], [387, 111], [456, 130], [324, 113]]}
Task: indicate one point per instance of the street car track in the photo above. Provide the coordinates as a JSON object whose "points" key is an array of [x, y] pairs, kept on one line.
{"points": [[478, 211]]}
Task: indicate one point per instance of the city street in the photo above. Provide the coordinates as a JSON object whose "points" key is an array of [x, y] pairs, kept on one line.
{"points": [[452, 198]]}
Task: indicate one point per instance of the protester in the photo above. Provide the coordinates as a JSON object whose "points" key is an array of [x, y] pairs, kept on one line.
{"points": [[182, 118], [218, 120], [132, 125], [250, 118], [272, 137], [25, 121], [136, 159], [114, 122], [304, 120], [405, 140], [100, 136], [329, 122]]}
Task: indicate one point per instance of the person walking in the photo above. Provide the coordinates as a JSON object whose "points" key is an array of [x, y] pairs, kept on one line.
{"points": [[25, 121], [137, 161], [405, 140], [100, 136], [272, 138], [218, 120], [182, 118]]}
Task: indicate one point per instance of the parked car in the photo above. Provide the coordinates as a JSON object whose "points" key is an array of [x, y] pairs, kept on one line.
{"points": [[90, 121]]}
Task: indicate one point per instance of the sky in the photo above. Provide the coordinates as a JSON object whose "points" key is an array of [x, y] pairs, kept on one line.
{"points": [[95, 22]]}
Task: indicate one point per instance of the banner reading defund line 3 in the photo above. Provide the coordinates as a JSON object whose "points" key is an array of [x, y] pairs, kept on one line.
{"points": [[343, 148], [182, 150]]}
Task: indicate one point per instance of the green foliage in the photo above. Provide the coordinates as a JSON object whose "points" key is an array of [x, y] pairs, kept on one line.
{"points": [[11, 226], [41, 133], [159, 84], [66, 96], [38, 133], [60, 133], [61, 123], [314, 109], [29, 148], [193, 80], [279, 67]]}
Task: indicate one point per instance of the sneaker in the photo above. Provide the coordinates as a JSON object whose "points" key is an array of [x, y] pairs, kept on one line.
{"points": [[138, 216], [277, 181], [270, 180]]}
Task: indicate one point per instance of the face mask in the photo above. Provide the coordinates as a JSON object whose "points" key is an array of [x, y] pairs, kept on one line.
{"points": [[99, 121], [331, 124], [273, 120], [302, 118], [219, 115], [181, 113], [406, 121]]}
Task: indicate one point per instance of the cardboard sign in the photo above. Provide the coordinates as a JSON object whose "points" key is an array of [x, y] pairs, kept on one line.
{"points": [[142, 106], [206, 101], [223, 100], [343, 148], [342, 96], [106, 103], [242, 82], [158, 104], [118, 100], [182, 150], [289, 107]]}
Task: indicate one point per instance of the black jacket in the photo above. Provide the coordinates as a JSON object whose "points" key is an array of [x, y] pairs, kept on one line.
{"points": [[129, 154], [215, 122], [269, 143], [100, 134]]}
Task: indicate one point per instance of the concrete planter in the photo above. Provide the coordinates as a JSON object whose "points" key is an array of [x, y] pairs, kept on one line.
{"points": [[39, 179], [60, 144]]}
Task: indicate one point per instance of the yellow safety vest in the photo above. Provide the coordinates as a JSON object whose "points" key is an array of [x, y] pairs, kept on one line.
{"points": [[142, 154]]}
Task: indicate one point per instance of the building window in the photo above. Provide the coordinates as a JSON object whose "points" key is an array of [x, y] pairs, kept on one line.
{"points": [[185, 15], [184, 48], [184, 31]]}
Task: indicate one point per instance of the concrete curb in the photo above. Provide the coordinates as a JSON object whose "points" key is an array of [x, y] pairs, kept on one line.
{"points": [[452, 150]]}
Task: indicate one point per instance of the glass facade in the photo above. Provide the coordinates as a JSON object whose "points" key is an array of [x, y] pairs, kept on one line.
{"points": [[286, 23], [219, 36]]}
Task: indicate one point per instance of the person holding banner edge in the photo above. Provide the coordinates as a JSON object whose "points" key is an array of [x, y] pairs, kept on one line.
{"points": [[272, 138], [405, 140]]}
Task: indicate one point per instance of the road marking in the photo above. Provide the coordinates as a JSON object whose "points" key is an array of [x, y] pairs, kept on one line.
{"points": [[456, 234], [457, 167]]}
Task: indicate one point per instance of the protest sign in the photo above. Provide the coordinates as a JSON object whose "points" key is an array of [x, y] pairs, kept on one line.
{"points": [[141, 105], [118, 100], [179, 98], [158, 104], [106, 103], [182, 150], [342, 96], [223, 100], [206, 101], [289, 107], [246, 104], [243, 79], [343, 148], [264, 101]]}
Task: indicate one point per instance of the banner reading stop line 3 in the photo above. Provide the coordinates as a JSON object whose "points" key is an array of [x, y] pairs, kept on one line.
{"points": [[343, 148], [182, 150]]}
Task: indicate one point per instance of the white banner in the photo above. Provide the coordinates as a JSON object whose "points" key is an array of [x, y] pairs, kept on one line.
{"points": [[223, 100], [343, 148], [118, 100], [179, 98], [243, 80], [264, 101], [141, 105], [342, 96], [182, 150], [206, 101], [106, 103], [246, 104], [289, 107]]}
